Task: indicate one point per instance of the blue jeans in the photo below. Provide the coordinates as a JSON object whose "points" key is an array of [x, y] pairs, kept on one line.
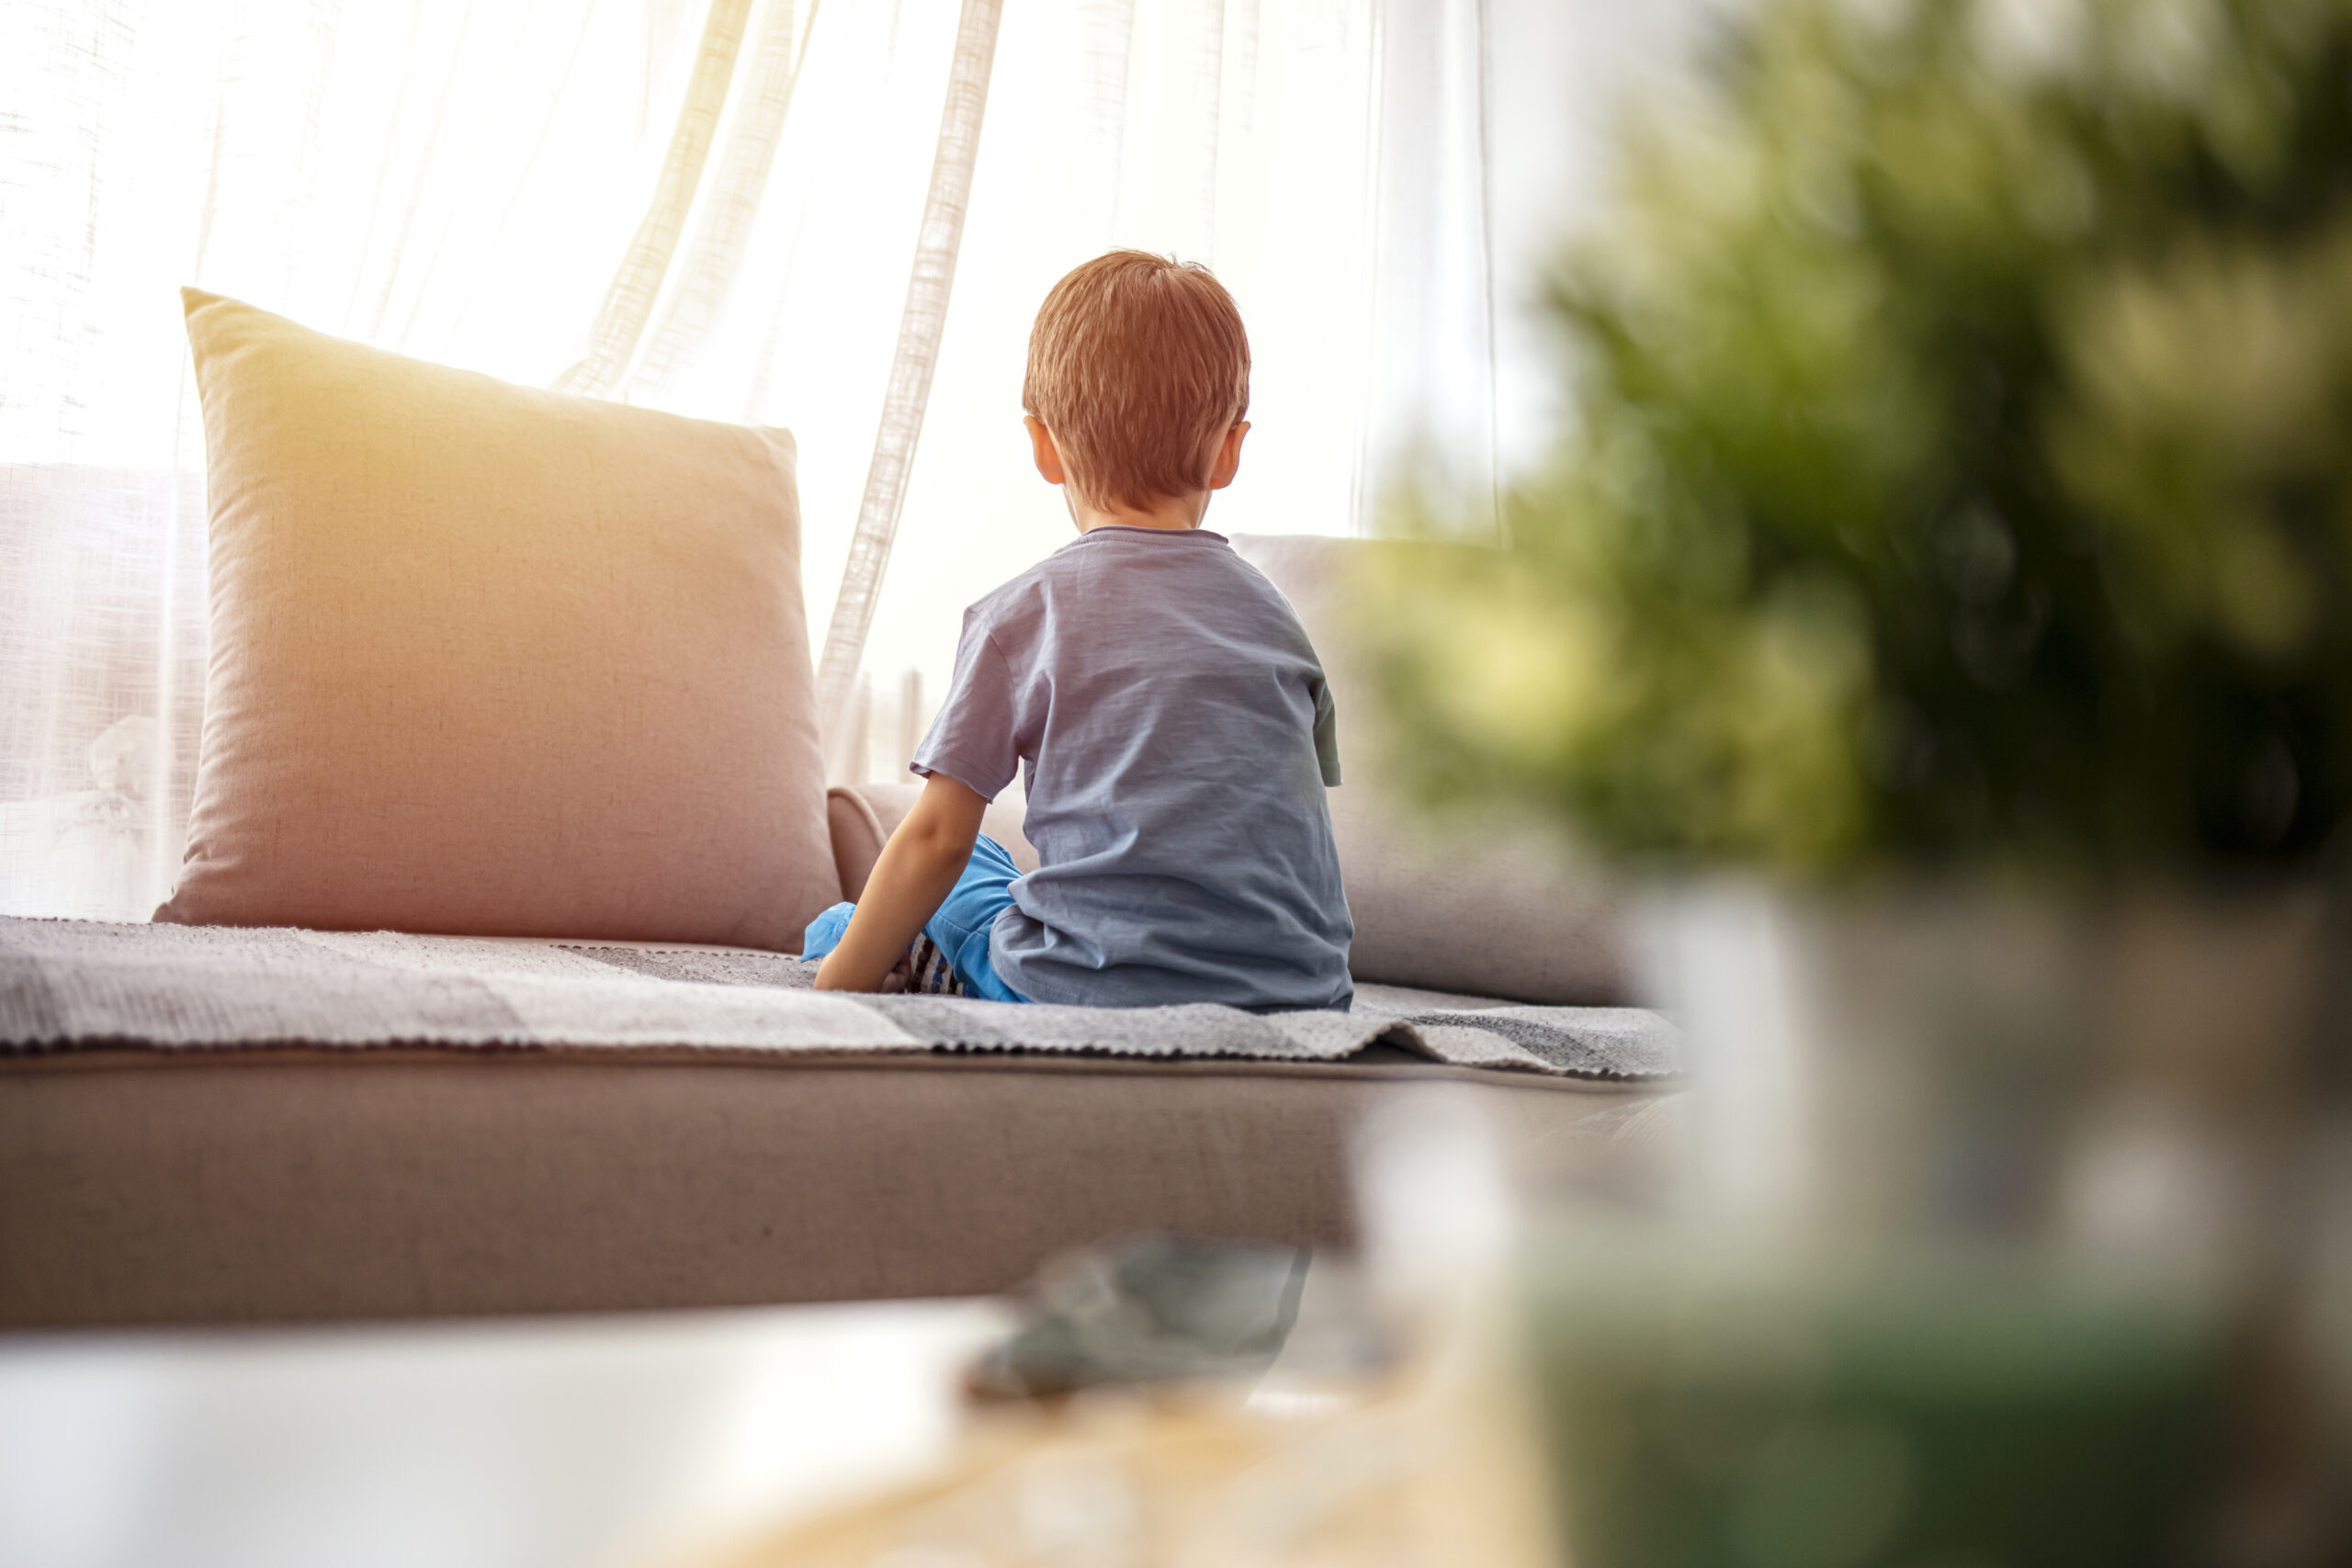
{"points": [[961, 927]]}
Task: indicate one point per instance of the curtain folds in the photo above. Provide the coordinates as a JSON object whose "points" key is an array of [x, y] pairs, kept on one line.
{"points": [[916, 357], [628, 303], [714, 254], [1431, 420]]}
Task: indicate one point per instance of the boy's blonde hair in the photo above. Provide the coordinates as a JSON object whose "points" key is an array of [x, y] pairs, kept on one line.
{"points": [[1138, 365]]}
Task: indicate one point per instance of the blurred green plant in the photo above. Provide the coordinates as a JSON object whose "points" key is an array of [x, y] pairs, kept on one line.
{"points": [[1960, 461]]}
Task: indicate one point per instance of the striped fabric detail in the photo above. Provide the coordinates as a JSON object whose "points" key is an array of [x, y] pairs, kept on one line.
{"points": [[929, 973]]}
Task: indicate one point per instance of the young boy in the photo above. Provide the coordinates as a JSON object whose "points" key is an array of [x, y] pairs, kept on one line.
{"points": [[1174, 720]]}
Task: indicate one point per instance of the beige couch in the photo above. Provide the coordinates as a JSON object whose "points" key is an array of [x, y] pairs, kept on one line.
{"points": [[295, 1183]]}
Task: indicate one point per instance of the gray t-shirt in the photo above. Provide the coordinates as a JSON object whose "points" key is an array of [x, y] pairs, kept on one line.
{"points": [[1178, 736]]}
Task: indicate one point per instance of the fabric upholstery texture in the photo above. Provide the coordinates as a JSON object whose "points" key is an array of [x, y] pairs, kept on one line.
{"points": [[287, 1185], [70, 986], [494, 661], [858, 833], [1502, 907]]}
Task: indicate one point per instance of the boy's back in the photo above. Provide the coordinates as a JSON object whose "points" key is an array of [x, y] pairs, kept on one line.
{"points": [[1178, 737], [1178, 732]]}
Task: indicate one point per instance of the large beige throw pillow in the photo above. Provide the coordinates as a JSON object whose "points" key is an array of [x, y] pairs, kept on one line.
{"points": [[493, 661]]}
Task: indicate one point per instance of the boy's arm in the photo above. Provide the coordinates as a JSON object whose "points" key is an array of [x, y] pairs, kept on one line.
{"points": [[919, 867]]}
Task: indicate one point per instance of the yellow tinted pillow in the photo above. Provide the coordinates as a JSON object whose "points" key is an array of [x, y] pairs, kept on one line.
{"points": [[493, 661]]}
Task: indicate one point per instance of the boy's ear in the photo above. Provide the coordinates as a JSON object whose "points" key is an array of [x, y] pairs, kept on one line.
{"points": [[1229, 456], [1049, 456]]}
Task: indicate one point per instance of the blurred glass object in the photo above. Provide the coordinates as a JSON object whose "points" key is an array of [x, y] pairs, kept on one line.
{"points": [[1951, 526], [1992, 1240], [1888, 1415], [1149, 1309], [1342, 1457], [1222, 1405]]}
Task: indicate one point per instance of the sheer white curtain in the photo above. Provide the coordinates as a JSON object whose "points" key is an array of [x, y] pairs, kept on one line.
{"points": [[712, 206], [430, 177]]}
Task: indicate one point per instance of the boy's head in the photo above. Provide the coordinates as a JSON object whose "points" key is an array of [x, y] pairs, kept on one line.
{"points": [[1138, 365]]}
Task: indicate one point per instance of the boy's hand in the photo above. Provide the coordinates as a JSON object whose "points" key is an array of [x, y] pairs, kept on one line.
{"points": [[919, 867]]}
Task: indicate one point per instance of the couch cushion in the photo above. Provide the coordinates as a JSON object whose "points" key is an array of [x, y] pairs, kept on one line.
{"points": [[215, 1125], [493, 661], [1492, 904]]}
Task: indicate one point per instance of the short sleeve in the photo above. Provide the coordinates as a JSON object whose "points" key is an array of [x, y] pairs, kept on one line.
{"points": [[973, 740], [1327, 732]]}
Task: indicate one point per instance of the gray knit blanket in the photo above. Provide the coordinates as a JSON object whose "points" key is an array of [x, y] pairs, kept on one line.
{"points": [[79, 984]]}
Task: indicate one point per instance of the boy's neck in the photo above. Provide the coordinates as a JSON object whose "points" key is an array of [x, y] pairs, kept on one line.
{"points": [[1174, 514]]}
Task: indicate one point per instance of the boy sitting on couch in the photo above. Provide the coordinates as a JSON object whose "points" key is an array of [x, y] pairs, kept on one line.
{"points": [[1172, 714]]}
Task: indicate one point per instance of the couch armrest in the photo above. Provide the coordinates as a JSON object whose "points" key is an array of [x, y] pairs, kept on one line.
{"points": [[862, 816]]}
